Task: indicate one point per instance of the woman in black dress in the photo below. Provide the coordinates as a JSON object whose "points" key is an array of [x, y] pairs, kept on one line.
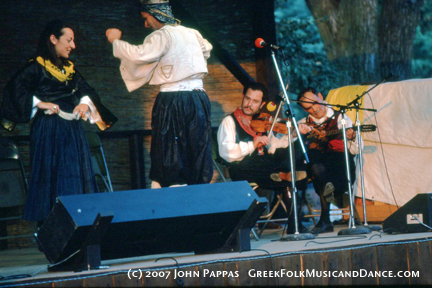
{"points": [[53, 93]]}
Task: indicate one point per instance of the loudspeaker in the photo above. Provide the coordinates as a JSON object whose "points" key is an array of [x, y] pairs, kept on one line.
{"points": [[404, 219], [201, 218]]}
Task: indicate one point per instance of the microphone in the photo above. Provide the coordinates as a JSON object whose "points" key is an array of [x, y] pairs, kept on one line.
{"points": [[260, 43]]}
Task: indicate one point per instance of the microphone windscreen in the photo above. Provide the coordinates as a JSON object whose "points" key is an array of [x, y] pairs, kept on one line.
{"points": [[258, 42]]}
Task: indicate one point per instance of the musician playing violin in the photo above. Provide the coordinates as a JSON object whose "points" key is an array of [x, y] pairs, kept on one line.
{"points": [[327, 167], [240, 146]]}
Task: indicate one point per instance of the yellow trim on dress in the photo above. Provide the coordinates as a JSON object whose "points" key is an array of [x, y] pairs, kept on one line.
{"points": [[55, 71]]}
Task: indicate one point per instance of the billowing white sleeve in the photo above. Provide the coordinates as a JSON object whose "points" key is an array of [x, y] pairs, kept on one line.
{"points": [[139, 61], [36, 101], [205, 45], [92, 115], [229, 150]]}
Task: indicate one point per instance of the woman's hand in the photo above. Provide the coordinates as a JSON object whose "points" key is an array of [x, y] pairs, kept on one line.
{"points": [[54, 108], [81, 110]]}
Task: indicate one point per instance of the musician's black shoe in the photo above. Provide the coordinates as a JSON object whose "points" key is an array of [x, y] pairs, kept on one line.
{"points": [[301, 229], [328, 192], [345, 222], [322, 227]]}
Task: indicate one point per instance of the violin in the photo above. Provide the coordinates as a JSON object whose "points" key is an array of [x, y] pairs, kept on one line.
{"points": [[263, 123]]}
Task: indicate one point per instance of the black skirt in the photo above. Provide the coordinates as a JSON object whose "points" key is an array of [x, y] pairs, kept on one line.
{"points": [[181, 151], [60, 164]]}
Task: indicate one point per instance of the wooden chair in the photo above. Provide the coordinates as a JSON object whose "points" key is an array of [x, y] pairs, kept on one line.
{"points": [[267, 218], [13, 189]]}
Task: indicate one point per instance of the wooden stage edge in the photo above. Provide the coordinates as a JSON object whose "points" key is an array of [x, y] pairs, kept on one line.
{"points": [[370, 259]]}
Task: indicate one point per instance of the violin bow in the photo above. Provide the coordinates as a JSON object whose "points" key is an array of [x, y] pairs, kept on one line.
{"points": [[277, 112]]}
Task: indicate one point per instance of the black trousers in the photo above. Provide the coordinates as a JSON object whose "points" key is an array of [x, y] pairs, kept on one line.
{"points": [[258, 168], [327, 167], [181, 146]]}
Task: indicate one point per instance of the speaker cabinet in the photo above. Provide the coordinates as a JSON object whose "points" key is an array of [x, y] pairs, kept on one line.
{"points": [[404, 219], [201, 218]]}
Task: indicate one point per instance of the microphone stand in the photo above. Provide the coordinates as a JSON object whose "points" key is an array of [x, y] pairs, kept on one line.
{"points": [[358, 126], [357, 230], [292, 121], [352, 229], [277, 111], [356, 105]]}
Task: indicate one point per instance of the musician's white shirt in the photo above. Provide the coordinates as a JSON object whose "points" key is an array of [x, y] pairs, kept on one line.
{"points": [[231, 151]]}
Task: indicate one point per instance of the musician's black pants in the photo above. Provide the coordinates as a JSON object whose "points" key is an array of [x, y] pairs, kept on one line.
{"points": [[327, 167], [258, 168]]}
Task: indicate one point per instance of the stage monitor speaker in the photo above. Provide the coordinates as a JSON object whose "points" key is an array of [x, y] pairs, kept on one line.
{"points": [[404, 219], [201, 218]]}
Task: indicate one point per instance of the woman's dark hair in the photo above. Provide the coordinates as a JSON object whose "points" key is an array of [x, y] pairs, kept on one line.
{"points": [[46, 48], [256, 86]]}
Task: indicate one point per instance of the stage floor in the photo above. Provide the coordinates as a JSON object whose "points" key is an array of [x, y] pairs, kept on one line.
{"points": [[32, 262]]}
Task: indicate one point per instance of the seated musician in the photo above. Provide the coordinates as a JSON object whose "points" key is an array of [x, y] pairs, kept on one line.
{"points": [[252, 157], [327, 166]]}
